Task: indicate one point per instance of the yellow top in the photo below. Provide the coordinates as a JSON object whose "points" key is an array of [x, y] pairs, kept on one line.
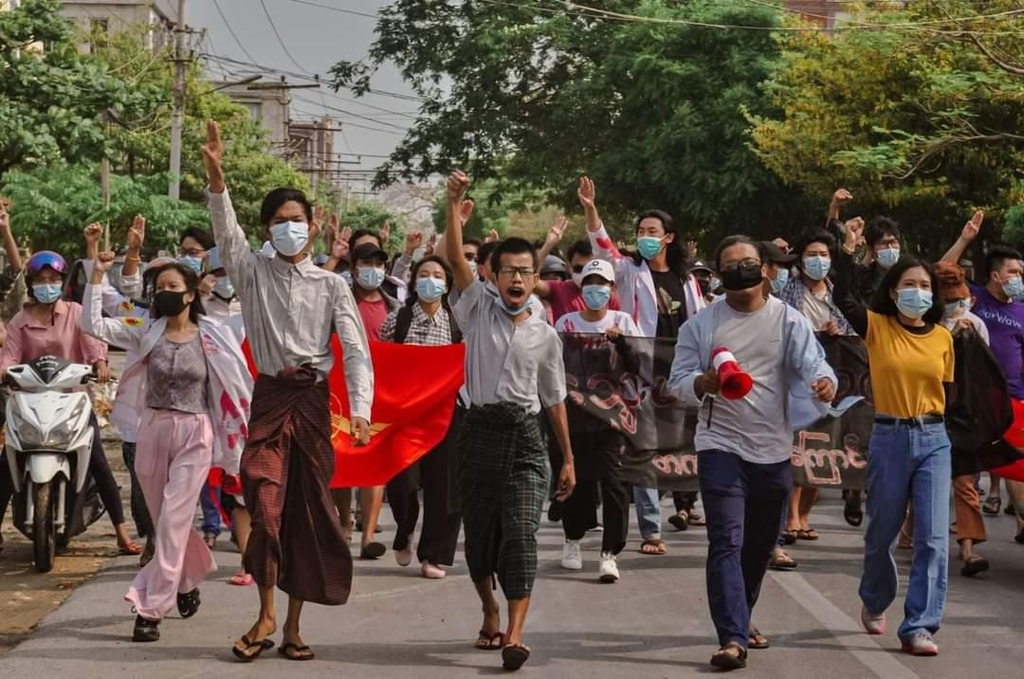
{"points": [[908, 369]]}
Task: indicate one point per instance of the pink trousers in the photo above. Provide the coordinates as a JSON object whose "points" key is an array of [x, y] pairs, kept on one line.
{"points": [[174, 452]]}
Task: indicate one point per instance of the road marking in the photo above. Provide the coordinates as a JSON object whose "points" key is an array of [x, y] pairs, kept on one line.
{"points": [[844, 628]]}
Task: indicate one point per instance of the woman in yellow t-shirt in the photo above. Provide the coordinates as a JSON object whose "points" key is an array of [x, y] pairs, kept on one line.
{"points": [[910, 356]]}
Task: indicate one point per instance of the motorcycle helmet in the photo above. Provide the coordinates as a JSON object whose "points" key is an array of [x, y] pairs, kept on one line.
{"points": [[44, 259], [554, 269]]}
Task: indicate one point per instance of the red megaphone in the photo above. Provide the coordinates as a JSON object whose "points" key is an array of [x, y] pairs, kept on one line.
{"points": [[733, 383]]}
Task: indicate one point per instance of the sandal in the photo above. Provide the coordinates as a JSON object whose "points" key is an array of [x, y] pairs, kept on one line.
{"points": [[147, 553], [295, 652], [486, 642], [973, 566], [373, 550], [130, 549], [680, 520], [514, 656], [697, 519], [992, 505], [757, 641], [188, 604], [725, 659], [653, 547], [809, 534], [210, 540], [789, 537], [260, 646], [782, 562], [241, 579], [853, 513]]}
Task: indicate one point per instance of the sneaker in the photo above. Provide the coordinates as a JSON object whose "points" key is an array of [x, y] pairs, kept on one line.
{"points": [[920, 644], [873, 624], [431, 571], [404, 556], [609, 570], [572, 558]]}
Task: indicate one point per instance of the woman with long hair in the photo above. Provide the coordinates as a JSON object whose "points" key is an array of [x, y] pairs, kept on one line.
{"points": [[426, 320], [910, 355], [191, 388]]}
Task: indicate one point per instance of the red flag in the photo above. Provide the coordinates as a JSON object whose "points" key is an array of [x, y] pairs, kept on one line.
{"points": [[413, 403]]}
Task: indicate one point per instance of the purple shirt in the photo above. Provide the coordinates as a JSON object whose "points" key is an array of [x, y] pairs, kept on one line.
{"points": [[1005, 323]]}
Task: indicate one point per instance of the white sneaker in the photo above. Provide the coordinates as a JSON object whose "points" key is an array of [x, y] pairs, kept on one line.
{"points": [[609, 570], [873, 624], [572, 559], [920, 644]]}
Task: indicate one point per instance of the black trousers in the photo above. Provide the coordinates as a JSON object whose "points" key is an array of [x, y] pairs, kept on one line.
{"points": [[99, 469], [599, 478]]}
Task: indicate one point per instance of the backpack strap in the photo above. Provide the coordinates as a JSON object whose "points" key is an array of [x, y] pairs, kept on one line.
{"points": [[402, 323], [453, 326]]}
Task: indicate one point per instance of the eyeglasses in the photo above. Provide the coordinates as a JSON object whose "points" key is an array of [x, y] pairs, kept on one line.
{"points": [[523, 271], [746, 264]]}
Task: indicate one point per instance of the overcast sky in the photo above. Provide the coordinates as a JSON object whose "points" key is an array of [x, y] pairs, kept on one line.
{"points": [[317, 37]]}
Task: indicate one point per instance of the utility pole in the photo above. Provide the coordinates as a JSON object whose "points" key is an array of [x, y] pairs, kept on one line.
{"points": [[178, 120]]}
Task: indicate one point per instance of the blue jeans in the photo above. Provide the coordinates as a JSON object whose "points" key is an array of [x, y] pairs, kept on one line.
{"points": [[908, 462], [648, 511], [211, 517], [743, 505]]}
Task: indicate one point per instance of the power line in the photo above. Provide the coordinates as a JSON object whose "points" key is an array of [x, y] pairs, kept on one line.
{"points": [[335, 9], [349, 113], [216, 3], [273, 27]]}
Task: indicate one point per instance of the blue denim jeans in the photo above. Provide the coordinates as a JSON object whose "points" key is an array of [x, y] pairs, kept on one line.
{"points": [[743, 505], [211, 517], [648, 511], [908, 462]]}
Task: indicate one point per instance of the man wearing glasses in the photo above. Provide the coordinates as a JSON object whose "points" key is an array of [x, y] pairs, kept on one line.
{"points": [[744, 444], [513, 369]]}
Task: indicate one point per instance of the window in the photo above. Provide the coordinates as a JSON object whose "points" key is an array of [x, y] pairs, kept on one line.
{"points": [[255, 111]]}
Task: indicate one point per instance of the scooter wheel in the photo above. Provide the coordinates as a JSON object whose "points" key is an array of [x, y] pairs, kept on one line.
{"points": [[44, 532]]}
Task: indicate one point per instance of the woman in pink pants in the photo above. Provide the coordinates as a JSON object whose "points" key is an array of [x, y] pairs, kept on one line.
{"points": [[190, 385]]}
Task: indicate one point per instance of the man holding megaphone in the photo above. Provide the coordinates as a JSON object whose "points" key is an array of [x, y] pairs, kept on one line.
{"points": [[739, 362]]}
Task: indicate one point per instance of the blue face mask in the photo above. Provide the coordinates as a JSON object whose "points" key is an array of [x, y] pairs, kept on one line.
{"points": [[716, 283], [1013, 287], [191, 262], [816, 268], [648, 246], [430, 289], [888, 257], [46, 293], [954, 308], [513, 310], [369, 277], [223, 288], [596, 297], [913, 302], [289, 238], [780, 280]]}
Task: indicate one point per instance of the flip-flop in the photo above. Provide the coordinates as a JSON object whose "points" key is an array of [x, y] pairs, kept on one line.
{"points": [[294, 652], [131, 549], [697, 520], [680, 520], [486, 642], [756, 640], [973, 566], [514, 656], [241, 579], [783, 562], [260, 646], [809, 534], [659, 547], [374, 550], [722, 659], [992, 506], [789, 537]]}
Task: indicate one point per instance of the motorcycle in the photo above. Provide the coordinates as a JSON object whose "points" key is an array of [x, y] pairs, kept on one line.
{"points": [[48, 443]]}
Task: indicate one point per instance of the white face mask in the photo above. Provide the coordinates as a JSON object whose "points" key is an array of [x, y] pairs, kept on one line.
{"points": [[289, 238], [223, 288]]}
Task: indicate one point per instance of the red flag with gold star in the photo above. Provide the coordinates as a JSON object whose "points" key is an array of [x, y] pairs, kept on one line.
{"points": [[413, 402]]}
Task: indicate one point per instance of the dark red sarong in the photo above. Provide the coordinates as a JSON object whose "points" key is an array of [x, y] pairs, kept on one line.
{"points": [[296, 541]]}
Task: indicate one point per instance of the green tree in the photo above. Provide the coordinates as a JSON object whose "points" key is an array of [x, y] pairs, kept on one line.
{"points": [[360, 214], [53, 205], [52, 95], [923, 124], [536, 96]]}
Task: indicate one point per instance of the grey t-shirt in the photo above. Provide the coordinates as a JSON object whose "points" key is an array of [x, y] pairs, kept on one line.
{"points": [[755, 427], [508, 363], [177, 376]]}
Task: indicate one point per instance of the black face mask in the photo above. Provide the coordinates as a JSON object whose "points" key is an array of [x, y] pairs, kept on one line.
{"points": [[169, 303], [743, 277]]}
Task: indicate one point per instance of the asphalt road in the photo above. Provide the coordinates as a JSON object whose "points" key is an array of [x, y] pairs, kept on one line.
{"points": [[653, 623]]}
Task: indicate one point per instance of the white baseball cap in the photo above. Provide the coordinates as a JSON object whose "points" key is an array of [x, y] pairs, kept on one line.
{"points": [[599, 267]]}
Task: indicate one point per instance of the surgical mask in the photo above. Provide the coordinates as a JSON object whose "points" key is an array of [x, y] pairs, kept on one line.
{"points": [[46, 293], [816, 268], [913, 302], [289, 238], [194, 263], [888, 257], [716, 283], [473, 266], [780, 280], [954, 308], [577, 278], [223, 288], [1013, 287], [169, 303], [369, 277], [648, 246], [743, 277], [513, 310], [596, 297], [430, 289]]}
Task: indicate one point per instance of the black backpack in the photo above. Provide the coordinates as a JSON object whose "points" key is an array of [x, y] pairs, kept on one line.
{"points": [[404, 320]]}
